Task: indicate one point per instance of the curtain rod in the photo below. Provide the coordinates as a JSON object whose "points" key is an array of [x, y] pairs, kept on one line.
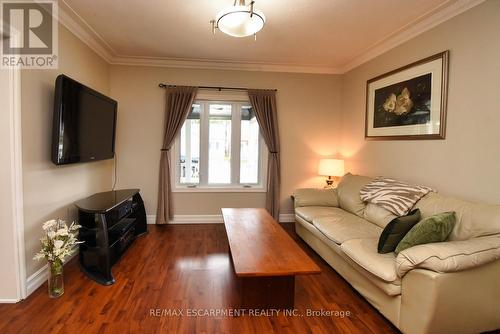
{"points": [[162, 85]]}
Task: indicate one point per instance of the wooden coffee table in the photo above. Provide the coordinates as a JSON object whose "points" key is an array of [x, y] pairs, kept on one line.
{"points": [[265, 259]]}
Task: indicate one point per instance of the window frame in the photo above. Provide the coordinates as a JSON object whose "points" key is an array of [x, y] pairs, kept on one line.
{"points": [[236, 102]]}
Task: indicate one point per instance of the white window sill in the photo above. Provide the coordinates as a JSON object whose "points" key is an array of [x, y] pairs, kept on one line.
{"points": [[180, 189]]}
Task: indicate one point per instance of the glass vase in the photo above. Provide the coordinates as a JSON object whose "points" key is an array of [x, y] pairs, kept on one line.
{"points": [[56, 279]]}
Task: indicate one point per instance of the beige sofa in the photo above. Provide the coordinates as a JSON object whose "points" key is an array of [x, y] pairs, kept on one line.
{"points": [[447, 287]]}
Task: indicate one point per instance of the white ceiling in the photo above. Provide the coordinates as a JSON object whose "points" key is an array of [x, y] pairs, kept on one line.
{"points": [[308, 33]]}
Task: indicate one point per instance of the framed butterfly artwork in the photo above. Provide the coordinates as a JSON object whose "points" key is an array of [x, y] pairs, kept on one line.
{"points": [[409, 102]]}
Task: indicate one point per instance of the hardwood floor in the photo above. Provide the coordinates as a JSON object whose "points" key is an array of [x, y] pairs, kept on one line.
{"points": [[180, 269]]}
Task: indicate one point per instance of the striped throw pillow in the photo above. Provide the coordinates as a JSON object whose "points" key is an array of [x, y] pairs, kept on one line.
{"points": [[395, 196]]}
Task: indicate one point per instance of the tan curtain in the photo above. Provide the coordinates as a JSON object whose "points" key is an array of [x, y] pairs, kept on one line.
{"points": [[264, 106], [179, 103]]}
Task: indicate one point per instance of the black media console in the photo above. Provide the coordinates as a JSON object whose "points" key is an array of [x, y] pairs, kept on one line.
{"points": [[110, 223]]}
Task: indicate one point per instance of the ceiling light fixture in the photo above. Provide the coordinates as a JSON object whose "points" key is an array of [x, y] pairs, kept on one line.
{"points": [[239, 20]]}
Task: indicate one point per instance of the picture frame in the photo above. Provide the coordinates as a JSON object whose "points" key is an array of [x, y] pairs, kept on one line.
{"points": [[409, 103]]}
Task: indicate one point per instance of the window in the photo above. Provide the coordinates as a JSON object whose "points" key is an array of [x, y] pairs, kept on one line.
{"points": [[219, 143], [249, 146], [220, 148], [190, 147]]}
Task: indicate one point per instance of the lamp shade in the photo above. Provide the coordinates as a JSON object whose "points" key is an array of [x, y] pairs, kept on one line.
{"points": [[331, 167]]}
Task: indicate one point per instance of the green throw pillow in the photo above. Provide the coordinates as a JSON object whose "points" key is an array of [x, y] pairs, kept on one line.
{"points": [[435, 228], [394, 232]]}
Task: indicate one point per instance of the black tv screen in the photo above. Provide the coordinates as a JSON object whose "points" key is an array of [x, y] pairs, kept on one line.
{"points": [[84, 123]]}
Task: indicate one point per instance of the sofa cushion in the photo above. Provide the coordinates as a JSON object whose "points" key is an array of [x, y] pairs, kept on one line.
{"points": [[378, 215], [343, 226], [395, 231], [449, 256], [315, 197], [396, 196], [473, 219], [435, 228], [348, 193], [363, 281], [364, 253], [309, 213]]}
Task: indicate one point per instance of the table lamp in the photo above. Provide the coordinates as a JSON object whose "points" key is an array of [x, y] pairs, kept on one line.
{"points": [[331, 168]]}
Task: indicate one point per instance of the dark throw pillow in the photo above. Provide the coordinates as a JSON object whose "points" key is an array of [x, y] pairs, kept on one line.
{"points": [[395, 231], [435, 228]]}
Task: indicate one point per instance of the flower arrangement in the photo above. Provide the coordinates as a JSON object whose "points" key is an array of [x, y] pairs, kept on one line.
{"points": [[58, 241], [57, 244]]}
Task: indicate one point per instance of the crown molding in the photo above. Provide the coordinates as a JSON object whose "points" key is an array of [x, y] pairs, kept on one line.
{"points": [[221, 65], [82, 30], [415, 28]]}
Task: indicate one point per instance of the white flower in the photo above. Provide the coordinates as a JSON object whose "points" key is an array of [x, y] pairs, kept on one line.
{"points": [[63, 232], [390, 103], [51, 234], [49, 224], [58, 244], [403, 102], [400, 104], [74, 227]]}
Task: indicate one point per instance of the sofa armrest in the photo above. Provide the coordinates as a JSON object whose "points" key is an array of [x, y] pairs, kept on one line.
{"points": [[461, 302], [315, 197], [449, 256]]}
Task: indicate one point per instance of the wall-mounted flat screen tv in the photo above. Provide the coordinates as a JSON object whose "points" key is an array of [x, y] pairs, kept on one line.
{"points": [[84, 123]]}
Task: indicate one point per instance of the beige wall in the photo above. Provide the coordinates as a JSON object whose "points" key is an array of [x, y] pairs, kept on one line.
{"points": [[467, 162], [308, 112], [49, 191]]}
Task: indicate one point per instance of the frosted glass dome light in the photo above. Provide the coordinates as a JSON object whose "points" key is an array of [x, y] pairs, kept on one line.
{"points": [[239, 20]]}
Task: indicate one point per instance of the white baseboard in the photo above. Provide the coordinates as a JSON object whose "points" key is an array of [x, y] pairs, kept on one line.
{"points": [[151, 219], [189, 219], [197, 219], [41, 275], [287, 218], [9, 301], [210, 219], [36, 280]]}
